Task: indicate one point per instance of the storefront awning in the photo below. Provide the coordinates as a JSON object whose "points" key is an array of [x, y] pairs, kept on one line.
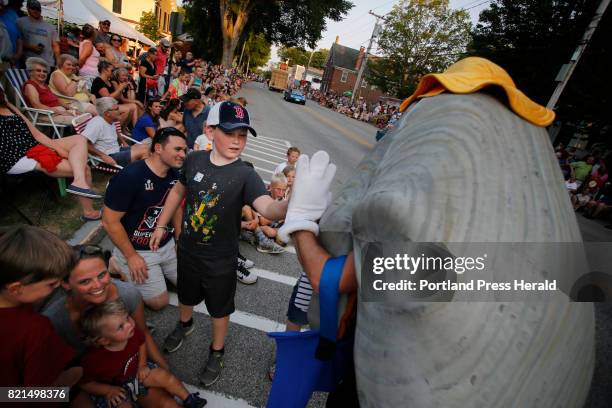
{"points": [[91, 12]]}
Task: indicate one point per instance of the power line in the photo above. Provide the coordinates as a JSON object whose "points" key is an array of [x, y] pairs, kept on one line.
{"points": [[368, 12], [354, 19], [468, 6], [469, 3], [476, 5]]}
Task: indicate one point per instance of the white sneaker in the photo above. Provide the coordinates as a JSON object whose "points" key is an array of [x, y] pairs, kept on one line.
{"points": [[244, 262], [245, 276]]}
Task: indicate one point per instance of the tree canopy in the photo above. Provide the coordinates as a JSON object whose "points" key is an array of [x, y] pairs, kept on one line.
{"points": [[257, 51], [149, 26], [418, 37], [533, 39], [300, 56], [287, 22], [202, 21]]}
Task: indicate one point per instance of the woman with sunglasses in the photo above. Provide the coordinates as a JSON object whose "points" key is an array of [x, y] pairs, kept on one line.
{"points": [[114, 54], [102, 87], [90, 284]]}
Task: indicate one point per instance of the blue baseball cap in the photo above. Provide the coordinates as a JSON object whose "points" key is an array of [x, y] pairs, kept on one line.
{"points": [[234, 116]]}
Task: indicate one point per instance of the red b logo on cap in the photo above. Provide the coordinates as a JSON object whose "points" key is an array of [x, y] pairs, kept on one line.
{"points": [[239, 112]]}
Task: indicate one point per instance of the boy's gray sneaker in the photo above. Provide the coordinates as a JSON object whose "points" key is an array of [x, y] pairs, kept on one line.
{"points": [[212, 371], [268, 246], [247, 236], [175, 339]]}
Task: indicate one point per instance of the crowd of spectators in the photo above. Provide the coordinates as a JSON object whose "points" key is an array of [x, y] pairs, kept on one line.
{"points": [[586, 179], [95, 321], [159, 89], [92, 71], [29, 35], [379, 114]]}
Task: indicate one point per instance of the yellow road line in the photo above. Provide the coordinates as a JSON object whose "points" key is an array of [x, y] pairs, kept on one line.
{"points": [[351, 135]]}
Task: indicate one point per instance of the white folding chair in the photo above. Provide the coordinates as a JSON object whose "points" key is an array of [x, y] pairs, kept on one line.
{"points": [[80, 123], [39, 117], [72, 99]]}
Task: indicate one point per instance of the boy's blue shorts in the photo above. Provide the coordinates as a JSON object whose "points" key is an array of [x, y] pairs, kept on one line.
{"points": [[133, 389], [294, 314]]}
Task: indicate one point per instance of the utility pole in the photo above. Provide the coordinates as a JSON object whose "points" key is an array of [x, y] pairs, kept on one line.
{"points": [[567, 69], [364, 61], [242, 52], [308, 64]]}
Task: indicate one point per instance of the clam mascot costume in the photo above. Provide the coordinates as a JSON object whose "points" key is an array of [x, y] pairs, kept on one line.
{"points": [[469, 161]]}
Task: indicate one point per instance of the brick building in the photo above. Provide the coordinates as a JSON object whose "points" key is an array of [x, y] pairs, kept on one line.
{"points": [[340, 73]]}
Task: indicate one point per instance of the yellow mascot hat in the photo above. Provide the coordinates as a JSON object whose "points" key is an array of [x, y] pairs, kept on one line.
{"points": [[473, 74]]}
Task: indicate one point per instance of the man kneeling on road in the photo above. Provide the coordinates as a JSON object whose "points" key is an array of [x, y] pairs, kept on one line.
{"points": [[103, 138], [134, 199]]}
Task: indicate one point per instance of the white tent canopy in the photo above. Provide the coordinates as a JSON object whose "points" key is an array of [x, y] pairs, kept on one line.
{"points": [[89, 11]]}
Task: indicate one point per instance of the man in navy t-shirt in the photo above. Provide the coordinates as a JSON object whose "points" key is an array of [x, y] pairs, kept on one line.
{"points": [[134, 199], [195, 115]]}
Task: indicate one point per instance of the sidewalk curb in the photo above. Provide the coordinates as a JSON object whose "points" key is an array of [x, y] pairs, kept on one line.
{"points": [[89, 233]]}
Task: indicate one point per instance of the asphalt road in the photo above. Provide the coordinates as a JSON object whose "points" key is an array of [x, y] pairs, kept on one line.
{"points": [[262, 307]]}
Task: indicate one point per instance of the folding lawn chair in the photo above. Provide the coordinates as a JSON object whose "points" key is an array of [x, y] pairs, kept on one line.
{"points": [[39, 117], [61, 182], [72, 99]]}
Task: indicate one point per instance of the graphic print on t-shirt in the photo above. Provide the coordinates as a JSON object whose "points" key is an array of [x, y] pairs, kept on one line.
{"points": [[128, 368], [146, 227], [199, 219]]}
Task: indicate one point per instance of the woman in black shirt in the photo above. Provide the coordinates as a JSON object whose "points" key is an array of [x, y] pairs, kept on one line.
{"points": [[146, 72], [103, 87]]}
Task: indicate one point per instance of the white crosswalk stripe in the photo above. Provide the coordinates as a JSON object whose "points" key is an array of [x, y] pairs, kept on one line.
{"points": [[258, 158], [264, 170], [265, 153], [218, 400], [276, 156], [265, 146], [273, 276], [241, 318], [279, 142]]}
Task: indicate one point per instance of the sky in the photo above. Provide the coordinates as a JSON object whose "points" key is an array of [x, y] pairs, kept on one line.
{"points": [[356, 28]]}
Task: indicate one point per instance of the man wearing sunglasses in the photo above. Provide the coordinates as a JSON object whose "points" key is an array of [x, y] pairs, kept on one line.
{"points": [[103, 36], [134, 199]]}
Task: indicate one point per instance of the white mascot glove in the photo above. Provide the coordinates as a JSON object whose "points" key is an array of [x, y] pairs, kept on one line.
{"points": [[310, 195]]}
